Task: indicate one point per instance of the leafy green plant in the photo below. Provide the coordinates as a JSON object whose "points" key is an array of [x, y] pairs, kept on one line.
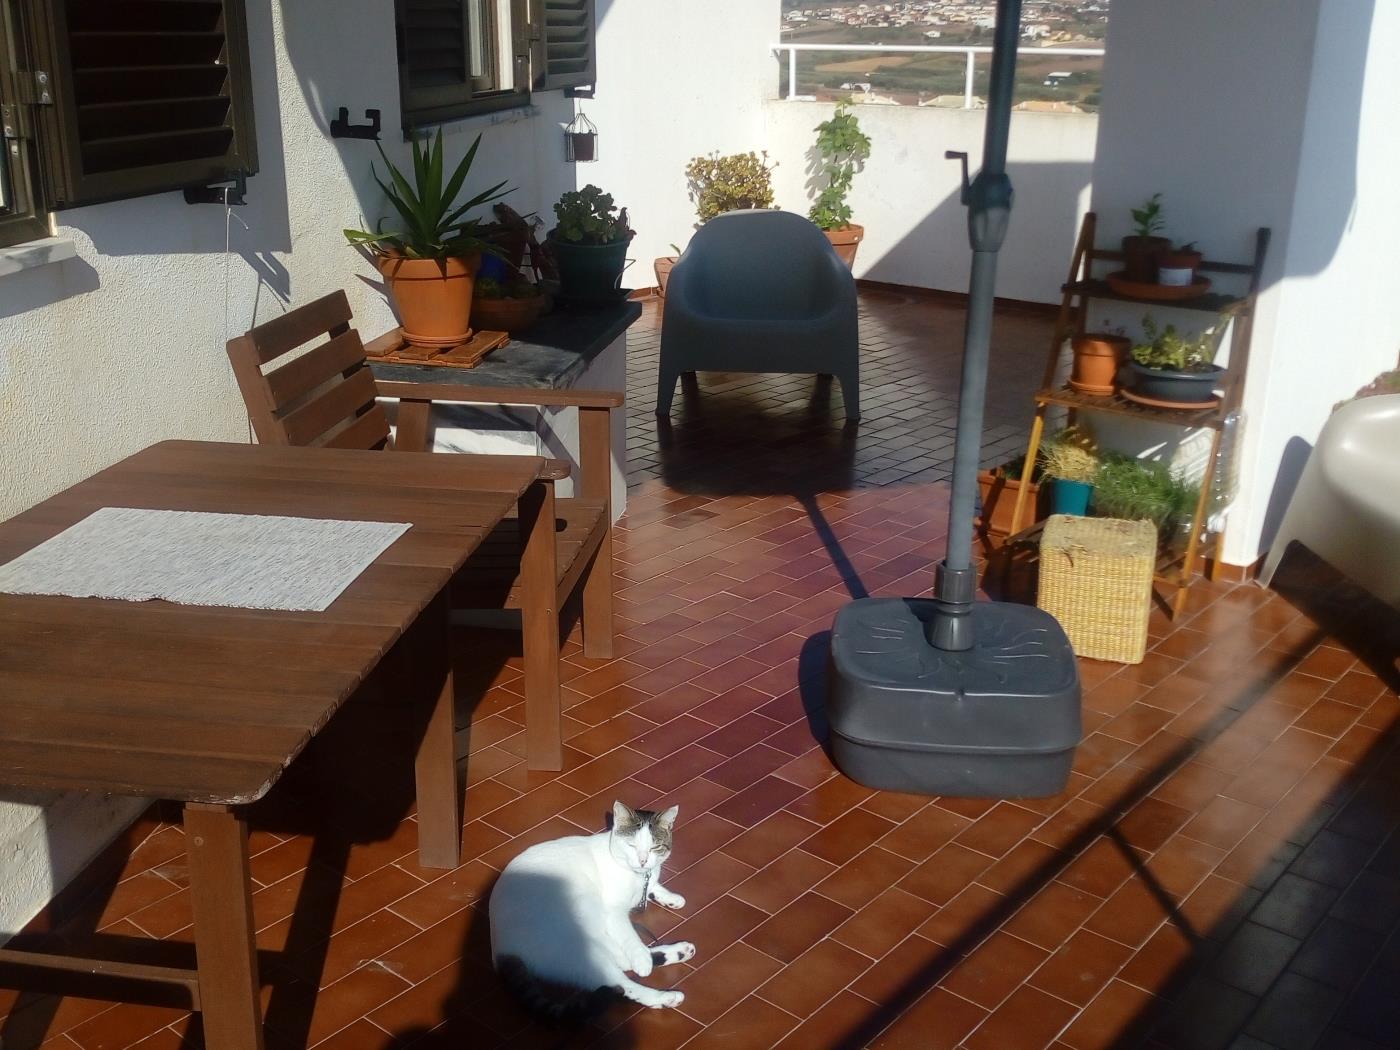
{"points": [[1385, 383], [491, 288], [589, 216], [1147, 217], [1012, 469], [435, 226], [1168, 349], [843, 149], [1071, 455], [720, 184]]}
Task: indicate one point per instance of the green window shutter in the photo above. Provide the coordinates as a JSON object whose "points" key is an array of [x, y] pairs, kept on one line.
{"points": [[565, 53], [149, 96]]}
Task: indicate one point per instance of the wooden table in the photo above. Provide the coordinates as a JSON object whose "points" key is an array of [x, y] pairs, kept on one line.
{"points": [[207, 706]]}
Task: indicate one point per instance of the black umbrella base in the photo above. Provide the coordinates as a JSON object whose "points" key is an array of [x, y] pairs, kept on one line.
{"points": [[1000, 720]]}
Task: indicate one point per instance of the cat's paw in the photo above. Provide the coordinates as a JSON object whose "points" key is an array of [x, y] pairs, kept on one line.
{"points": [[670, 954], [665, 1000], [667, 899], [641, 963]]}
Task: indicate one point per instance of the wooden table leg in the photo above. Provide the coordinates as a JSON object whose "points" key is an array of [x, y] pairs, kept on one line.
{"points": [[411, 426], [439, 813], [539, 610], [216, 842]]}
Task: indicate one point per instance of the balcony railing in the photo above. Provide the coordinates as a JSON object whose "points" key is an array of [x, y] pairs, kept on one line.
{"points": [[970, 51]]}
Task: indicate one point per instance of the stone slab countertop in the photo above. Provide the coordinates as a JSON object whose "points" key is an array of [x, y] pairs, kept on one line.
{"points": [[550, 356]]}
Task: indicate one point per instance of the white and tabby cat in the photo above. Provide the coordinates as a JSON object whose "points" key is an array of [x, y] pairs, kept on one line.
{"points": [[560, 915]]}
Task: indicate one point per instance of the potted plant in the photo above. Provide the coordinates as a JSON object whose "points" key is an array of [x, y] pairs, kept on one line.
{"points": [[1142, 247], [1178, 266], [430, 265], [590, 245], [1174, 368], [1385, 383], [662, 267], [1097, 358], [506, 306], [997, 490], [842, 150], [1071, 460], [720, 184]]}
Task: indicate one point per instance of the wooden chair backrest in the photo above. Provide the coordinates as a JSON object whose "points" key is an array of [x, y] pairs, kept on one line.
{"points": [[323, 397]]}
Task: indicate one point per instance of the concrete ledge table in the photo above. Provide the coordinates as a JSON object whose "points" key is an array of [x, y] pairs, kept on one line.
{"points": [[565, 350], [207, 706]]}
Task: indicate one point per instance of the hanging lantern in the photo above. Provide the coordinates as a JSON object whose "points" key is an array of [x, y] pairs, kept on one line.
{"points": [[581, 140]]}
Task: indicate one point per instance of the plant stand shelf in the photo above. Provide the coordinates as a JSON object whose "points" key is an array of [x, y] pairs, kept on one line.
{"points": [[1174, 572]]}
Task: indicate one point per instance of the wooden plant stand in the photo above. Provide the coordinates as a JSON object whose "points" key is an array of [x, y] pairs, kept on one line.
{"points": [[1085, 283], [391, 347]]}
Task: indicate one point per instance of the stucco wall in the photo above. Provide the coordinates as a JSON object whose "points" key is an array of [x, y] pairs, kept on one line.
{"points": [[907, 198], [1290, 132], [122, 346]]}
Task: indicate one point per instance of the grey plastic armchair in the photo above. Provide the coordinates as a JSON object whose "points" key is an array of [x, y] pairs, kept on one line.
{"points": [[760, 291], [1346, 508]]}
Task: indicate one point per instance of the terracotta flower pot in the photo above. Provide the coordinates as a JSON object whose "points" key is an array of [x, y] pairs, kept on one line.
{"points": [[1097, 358], [846, 239], [662, 268], [999, 503], [1178, 267], [433, 296], [506, 315], [1140, 255]]}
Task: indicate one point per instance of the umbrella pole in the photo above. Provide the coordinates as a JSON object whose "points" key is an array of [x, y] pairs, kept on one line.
{"points": [[988, 198]]}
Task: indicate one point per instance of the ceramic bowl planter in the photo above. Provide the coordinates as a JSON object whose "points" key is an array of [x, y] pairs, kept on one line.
{"points": [[433, 297], [662, 268], [846, 239], [1142, 255], [512, 315], [1097, 358], [1195, 387], [1177, 266]]}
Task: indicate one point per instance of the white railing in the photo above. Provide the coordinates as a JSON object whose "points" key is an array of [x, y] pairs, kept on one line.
{"points": [[970, 51]]}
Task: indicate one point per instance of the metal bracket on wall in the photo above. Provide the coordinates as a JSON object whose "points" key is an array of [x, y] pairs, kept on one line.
{"points": [[341, 128], [229, 195], [580, 92]]}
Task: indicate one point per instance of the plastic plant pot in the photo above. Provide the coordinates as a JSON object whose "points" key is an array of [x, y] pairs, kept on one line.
{"points": [[1070, 497]]}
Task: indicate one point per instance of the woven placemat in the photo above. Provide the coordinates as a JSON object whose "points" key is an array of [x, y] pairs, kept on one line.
{"points": [[240, 561]]}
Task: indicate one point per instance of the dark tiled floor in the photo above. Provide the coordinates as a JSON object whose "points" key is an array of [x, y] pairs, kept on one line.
{"points": [[1223, 870]]}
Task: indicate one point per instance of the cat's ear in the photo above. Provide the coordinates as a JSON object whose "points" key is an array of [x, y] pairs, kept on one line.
{"points": [[667, 820], [623, 815]]}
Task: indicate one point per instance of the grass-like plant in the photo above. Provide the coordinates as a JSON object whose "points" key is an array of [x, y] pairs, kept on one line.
{"points": [[843, 149], [434, 225], [720, 184], [1071, 455], [1138, 490]]}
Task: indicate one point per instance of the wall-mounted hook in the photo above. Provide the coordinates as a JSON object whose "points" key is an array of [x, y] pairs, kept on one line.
{"points": [[231, 196], [341, 128], [954, 154]]}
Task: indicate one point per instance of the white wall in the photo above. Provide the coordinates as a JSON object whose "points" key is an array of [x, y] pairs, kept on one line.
{"points": [[676, 78], [123, 345], [907, 198], [1255, 114]]}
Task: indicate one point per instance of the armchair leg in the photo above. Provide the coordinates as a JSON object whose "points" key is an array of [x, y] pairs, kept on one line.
{"points": [[850, 392], [598, 604], [666, 389]]}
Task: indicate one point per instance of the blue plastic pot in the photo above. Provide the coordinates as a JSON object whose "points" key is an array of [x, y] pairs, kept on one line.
{"points": [[1070, 497]]}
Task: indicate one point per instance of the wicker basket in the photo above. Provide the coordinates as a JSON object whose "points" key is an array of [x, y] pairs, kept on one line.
{"points": [[1096, 579]]}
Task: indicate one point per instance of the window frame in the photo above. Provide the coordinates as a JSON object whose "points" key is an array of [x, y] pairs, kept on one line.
{"points": [[29, 219], [470, 101]]}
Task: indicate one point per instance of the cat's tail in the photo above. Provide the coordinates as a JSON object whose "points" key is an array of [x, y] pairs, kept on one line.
{"points": [[535, 995]]}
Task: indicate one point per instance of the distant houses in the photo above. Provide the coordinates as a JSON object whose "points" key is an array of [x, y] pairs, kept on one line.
{"points": [[1044, 21]]}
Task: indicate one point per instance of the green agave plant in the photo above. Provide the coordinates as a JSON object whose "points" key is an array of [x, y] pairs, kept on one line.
{"points": [[434, 226]]}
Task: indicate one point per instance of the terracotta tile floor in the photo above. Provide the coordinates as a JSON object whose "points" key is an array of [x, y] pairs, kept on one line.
{"points": [[1223, 870]]}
